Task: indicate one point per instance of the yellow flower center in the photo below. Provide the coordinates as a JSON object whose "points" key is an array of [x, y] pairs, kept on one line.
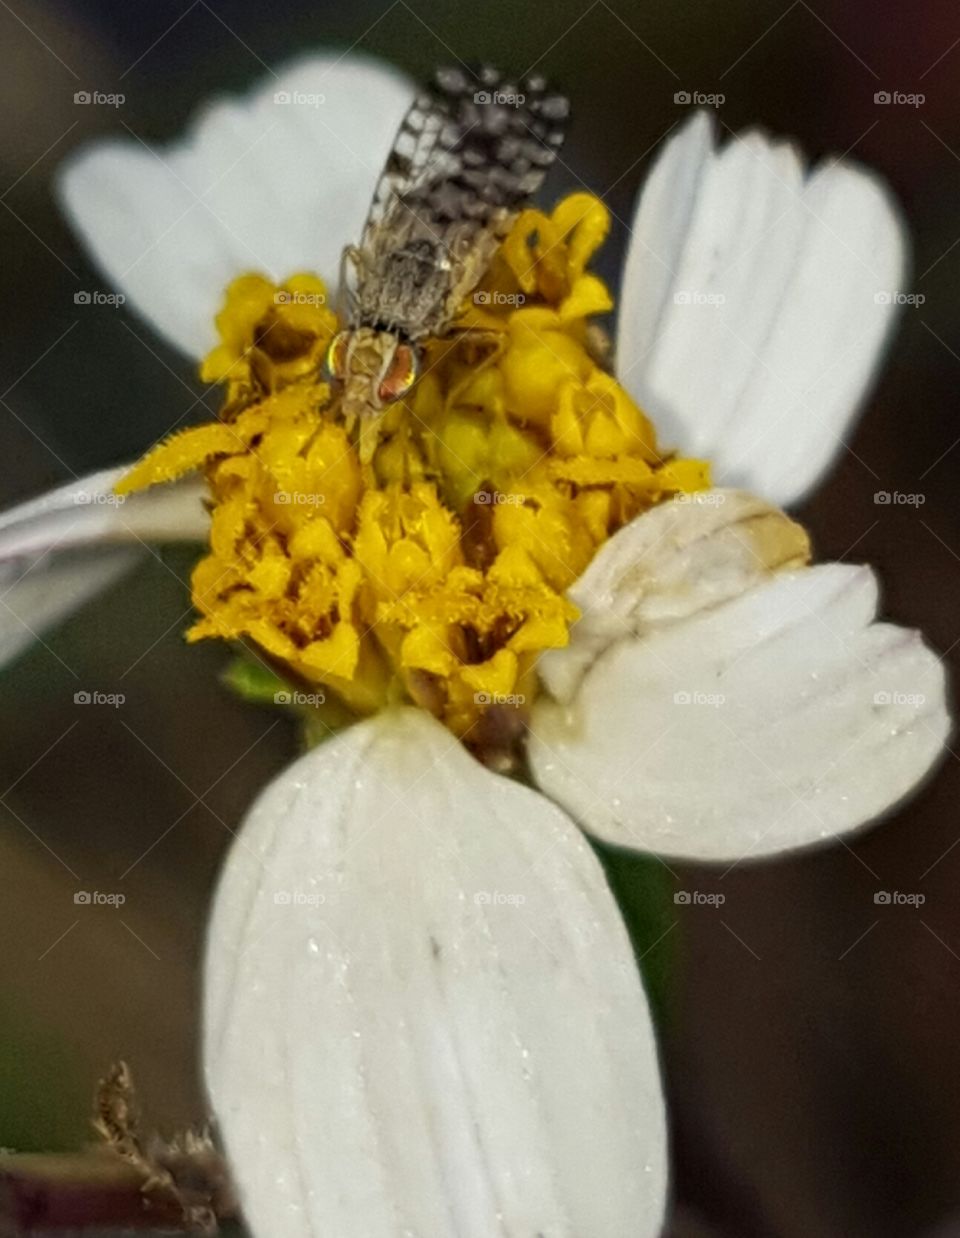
{"points": [[438, 571]]}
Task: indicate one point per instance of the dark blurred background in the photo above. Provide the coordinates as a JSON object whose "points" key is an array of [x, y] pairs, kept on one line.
{"points": [[810, 1035]]}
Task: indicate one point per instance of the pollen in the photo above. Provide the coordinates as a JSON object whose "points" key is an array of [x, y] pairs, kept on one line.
{"points": [[434, 568]]}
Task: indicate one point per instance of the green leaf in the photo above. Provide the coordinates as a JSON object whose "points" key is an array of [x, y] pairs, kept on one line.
{"points": [[255, 681], [320, 713]]}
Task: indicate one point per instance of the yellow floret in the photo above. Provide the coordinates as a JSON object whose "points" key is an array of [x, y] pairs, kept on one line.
{"points": [[437, 572]]}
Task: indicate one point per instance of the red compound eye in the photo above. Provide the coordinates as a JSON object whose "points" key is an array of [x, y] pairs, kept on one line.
{"points": [[335, 362], [401, 376]]}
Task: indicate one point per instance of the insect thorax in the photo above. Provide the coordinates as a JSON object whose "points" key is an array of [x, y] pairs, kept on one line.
{"points": [[405, 290]]}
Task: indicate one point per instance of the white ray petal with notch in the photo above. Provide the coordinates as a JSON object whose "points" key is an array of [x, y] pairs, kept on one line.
{"points": [[423, 1014], [756, 302], [276, 182], [759, 718]]}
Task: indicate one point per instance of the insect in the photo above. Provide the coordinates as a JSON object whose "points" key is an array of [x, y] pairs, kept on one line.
{"points": [[468, 154]]}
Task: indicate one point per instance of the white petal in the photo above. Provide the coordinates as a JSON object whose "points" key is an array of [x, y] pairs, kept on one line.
{"points": [[677, 559], [257, 185], [757, 298], [53, 554], [86, 512], [38, 594], [446, 1034], [776, 719]]}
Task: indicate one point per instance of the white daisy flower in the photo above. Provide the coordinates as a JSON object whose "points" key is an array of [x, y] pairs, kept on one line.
{"points": [[422, 1011]]}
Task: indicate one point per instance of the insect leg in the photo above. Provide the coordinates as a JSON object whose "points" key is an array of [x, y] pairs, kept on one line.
{"points": [[352, 256], [493, 342]]}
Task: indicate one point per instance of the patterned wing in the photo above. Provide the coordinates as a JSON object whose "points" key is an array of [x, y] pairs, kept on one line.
{"points": [[468, 155]]}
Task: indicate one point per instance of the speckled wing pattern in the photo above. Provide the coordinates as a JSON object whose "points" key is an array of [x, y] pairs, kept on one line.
{"points": [[469, 153]]}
